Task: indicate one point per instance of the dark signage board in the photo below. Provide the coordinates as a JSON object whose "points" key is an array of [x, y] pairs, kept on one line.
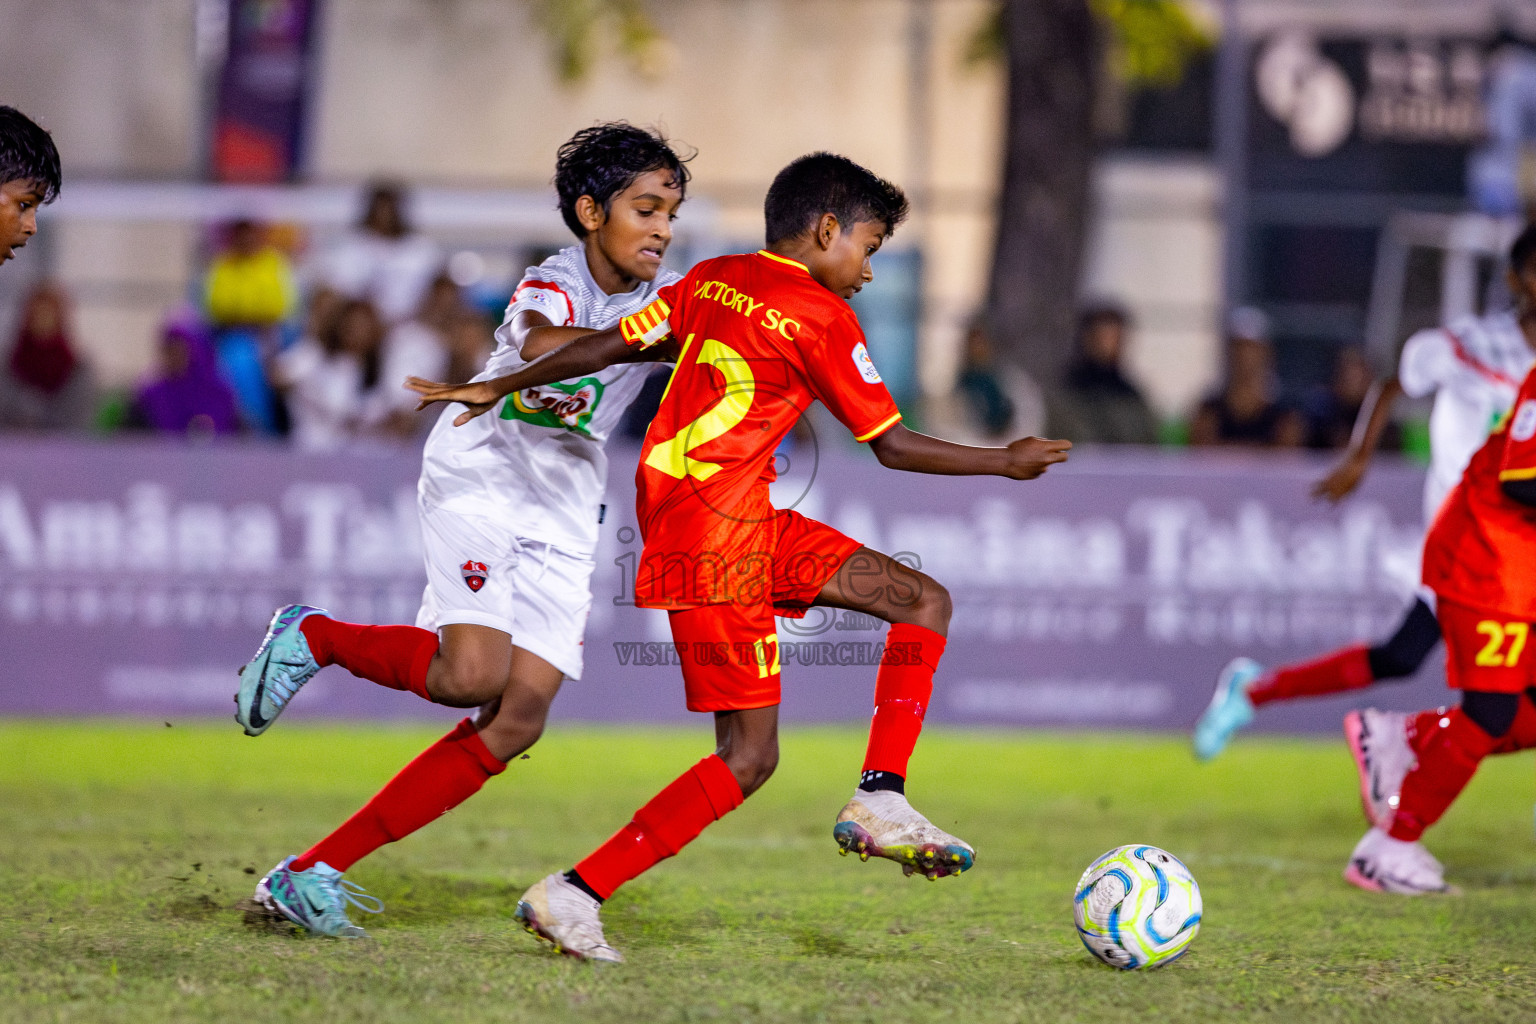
{"points": [[1373, 114], [1339, 133]]}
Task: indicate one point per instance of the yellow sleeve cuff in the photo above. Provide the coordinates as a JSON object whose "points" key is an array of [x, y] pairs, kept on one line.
{"points": [[882, 428]]}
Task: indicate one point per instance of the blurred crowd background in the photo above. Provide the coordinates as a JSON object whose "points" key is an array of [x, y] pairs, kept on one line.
{"points": [[267, 342], [1136, 221], [1187, 235]]}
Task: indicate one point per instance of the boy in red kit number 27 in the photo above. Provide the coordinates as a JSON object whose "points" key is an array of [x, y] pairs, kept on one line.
{"points": [[1480, 561], [757, 338]]}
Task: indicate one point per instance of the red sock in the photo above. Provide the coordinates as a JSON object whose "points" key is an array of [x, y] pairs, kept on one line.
{"points": [[1448, 757], [1349, 669], [1421, 727], [674, 818], [392, 656], [902, 689], [443, 776], [1521, 735]]}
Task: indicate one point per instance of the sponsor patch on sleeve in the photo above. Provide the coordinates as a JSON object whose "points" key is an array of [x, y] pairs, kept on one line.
{"points": [[547, 298], [865, 365], [1523, 426]]}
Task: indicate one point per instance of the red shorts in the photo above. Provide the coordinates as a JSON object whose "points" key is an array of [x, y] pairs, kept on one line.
{"points": [[730, 651], [1486, 651]]}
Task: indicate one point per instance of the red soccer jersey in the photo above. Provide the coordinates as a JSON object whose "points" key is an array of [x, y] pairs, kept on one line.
{"points": [[1481, 550], [761, 340]]}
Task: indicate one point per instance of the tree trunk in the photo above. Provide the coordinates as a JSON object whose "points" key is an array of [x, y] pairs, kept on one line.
{"points": [[1053, 54]]}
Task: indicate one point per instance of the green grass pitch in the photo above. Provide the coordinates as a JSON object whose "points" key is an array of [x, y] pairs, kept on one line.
{"points": [[125, 847]]}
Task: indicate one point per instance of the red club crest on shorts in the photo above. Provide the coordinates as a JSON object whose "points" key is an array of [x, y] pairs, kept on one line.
{"points": [[474, 574]]}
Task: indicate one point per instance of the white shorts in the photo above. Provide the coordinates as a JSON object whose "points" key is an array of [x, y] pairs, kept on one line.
{"points": [[483, 574]]}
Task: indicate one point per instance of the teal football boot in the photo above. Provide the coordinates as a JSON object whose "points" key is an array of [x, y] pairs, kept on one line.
{"points": [[283, 663], [1229, 710], [316, 900]]}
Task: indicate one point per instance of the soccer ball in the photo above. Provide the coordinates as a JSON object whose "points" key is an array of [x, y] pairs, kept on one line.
{"points": [[1137, 906]]}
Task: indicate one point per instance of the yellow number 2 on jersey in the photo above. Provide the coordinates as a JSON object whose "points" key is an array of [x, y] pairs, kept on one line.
{"points": [[671, 456]]}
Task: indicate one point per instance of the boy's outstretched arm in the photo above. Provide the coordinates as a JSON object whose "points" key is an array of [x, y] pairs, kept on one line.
{"points": [[586, 354], [1024, 459], [533, 334], [1370, 424]]}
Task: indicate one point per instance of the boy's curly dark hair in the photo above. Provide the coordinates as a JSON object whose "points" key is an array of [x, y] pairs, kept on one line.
{"points": [[27, 153], [604, 160], [827, 183]]}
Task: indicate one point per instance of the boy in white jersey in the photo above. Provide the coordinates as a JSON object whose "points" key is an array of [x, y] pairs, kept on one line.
{"points": [[509, 521], [1473, 368]]}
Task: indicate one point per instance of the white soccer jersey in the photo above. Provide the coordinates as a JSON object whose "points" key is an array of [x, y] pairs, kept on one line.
{"points": [[536, 463], [1473, 368]]}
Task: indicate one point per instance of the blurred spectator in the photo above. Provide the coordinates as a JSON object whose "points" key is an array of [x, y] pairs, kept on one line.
{"points": [[249, 292], [327, 374], [382, 259], [1096, 402], [470, 342], [341, 384], [188, 396], [1331, 411], [250, 282], [418, 347], [45, 385], [990, 400], [1245, 410], [423, 340], [980, 385]]}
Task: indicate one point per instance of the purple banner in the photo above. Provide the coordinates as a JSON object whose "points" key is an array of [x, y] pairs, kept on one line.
{"points": [[258, 125], [135, 578]]}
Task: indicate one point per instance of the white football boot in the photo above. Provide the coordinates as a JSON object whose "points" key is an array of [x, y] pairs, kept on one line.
{"points": [[1383, 864], [884, 824], [1379, 742], [567, 918]]}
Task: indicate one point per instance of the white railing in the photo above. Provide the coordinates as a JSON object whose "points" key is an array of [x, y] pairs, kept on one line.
{"points": [[1467, 242]]}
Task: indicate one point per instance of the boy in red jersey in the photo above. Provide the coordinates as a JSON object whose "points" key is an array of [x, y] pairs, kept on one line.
{"points": [[757, 338], [29, 178], [1473, 367], [1478, 559]]}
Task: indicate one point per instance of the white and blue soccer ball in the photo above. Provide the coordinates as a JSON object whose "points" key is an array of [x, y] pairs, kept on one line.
{"points": [[1136, 907]]}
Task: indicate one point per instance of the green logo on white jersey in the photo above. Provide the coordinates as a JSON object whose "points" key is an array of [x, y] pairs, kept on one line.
{"points": [[567, 406]]}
